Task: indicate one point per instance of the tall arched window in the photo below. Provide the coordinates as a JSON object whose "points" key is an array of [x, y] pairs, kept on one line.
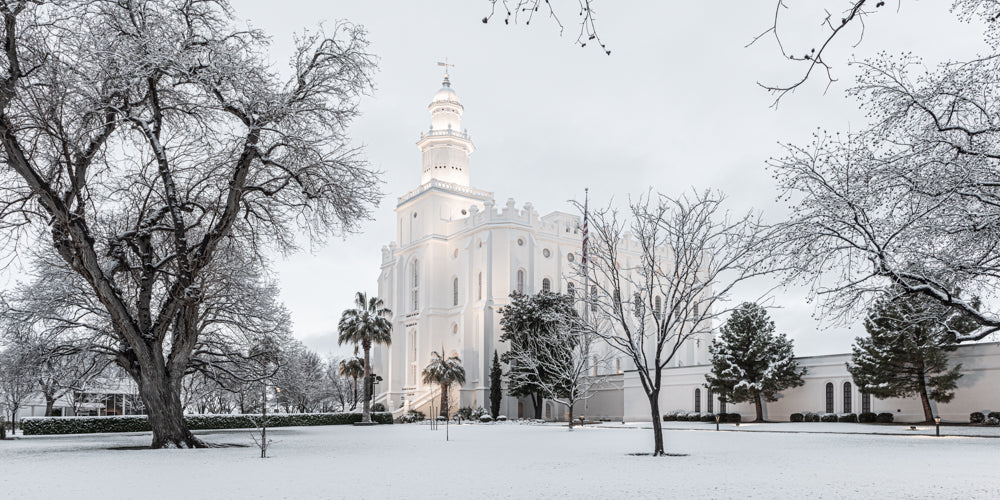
{"points": [[520, 280], [454, 292], [866, 402], [709, 402], [829, 397], [570, 289], [697, 400], [722, 407], [415, 285], [847, 397], [657, 305], [479, 295], [546, 285], [637, 305]]}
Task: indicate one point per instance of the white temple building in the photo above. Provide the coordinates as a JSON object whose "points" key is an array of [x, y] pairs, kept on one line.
{"points": [[457, 256]]}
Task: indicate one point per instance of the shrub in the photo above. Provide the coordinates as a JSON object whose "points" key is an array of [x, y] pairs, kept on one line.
{"points": [[378, 407], [810, 417], [991, 420], [848, 417], [501, 418], [479, 412], [34, 426], [884, 418], [694, 416], [993, 414], [669, 417], [682, 417], [730, 418], [485, 418], [867, 417], [465, 412], [828, 417], [412, 416], [977, 417], [708, 417], [796, 417], [3, 430]]}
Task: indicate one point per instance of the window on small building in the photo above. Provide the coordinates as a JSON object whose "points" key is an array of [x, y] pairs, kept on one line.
{"points": [[454, 292], [866, 402], [847, 397], [520, 280], [546, 285], [697, 400], [829, 397]]}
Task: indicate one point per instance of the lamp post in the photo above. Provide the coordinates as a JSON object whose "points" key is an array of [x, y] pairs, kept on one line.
{"points": [[717, 417], [937, 426]]}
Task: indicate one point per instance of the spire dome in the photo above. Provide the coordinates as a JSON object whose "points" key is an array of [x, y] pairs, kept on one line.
{"points": [[446, 147]]}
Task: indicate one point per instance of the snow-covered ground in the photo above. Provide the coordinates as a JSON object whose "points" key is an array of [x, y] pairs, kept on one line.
{"points": [[508, 461]]}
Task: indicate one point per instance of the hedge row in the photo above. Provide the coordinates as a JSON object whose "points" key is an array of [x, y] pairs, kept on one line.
{"points": [[139, 423], [865, 417], [985, 417], [726, 418]]}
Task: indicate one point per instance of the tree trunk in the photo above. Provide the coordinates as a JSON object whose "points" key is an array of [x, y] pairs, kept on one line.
{"points": [[925, 401], [570, 412], [354, 402], [50, 403], [445, 389], [366, 416], [759, 407], [163, 408], [654, 408], [537, 400]]}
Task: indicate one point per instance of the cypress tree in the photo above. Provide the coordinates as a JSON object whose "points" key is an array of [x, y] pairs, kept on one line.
{"points": [[496, 392]]}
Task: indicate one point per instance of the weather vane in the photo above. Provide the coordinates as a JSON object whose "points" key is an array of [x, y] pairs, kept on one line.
{"points": [[446, 65]]}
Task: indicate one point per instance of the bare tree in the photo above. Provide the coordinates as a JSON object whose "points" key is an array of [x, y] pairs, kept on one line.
{"points": [[18, 380], [141, 137], [515, 11], [660, 275]]}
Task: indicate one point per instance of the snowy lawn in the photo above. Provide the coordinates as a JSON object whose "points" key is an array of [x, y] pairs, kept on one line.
{"points": [[505, 461]]}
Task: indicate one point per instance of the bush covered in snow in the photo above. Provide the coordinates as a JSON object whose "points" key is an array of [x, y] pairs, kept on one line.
{"points": [[796, 417], [884, 418], [828, 417], [977, 417], [411, 416], [847, 417], [479, 412], [485, 418], [378, 407], [992, 421], [33, 426], [501, 418], [867, 417], [810, 417], [669, 417], [708, 417]]}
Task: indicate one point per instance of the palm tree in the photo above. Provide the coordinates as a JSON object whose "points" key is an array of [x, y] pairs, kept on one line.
{"points": [[355, 369], [444, 372], [367, 324]]}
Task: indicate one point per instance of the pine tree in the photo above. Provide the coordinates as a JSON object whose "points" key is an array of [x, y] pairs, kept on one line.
{"points": [[750, 362], [526, 324], [496, 392], [905, 353]]}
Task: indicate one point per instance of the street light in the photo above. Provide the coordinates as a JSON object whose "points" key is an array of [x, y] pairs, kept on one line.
{"points": [[937, 426]]}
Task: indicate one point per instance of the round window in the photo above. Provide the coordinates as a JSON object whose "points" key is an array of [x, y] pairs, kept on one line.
{"points": [[520, 242], [414, 215], [569, 257], [454, 254], [465, 212], [546, 253], [454, 328]]}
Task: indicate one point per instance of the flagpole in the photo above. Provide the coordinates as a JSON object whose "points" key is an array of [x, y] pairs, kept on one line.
{"points": [[583, 260]]}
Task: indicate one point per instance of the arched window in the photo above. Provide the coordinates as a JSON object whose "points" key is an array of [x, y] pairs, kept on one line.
{"points": [[637, 305], [570, 289], [454, 292], [697, 400], [546, 285], [722, 407], [866, 402], [847, 397], [520, 280], [415, 285], [709, 402], [829, 397], [479, 295], [657, 305]]}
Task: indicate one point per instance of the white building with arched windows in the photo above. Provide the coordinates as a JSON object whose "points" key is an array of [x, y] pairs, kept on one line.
{"points": [[457, 256]]}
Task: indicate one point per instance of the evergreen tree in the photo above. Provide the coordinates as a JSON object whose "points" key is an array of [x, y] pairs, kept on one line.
{"points": [[496, 392], [525, 323], [905, 353], [750, 362]]}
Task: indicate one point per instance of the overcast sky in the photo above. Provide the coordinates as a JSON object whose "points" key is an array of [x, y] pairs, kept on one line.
{"points": [[675, 106]]}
